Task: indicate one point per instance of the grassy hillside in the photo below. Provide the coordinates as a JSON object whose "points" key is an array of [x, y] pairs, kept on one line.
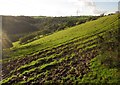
{"points": [[18, 26], [69, 56], [49, 25], [65, 36]]}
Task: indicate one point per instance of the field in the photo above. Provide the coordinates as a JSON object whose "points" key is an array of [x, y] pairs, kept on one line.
{"points": [[79, 54]]}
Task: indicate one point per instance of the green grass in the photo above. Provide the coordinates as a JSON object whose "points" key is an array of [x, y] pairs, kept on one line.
{"points": [[101, 74], [72, 56], [65, 36]]}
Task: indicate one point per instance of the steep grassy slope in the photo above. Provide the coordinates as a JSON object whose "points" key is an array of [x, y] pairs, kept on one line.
{"points": [[48, 25], [64, 57], [18, 26], [27, 29], [65, 36]]}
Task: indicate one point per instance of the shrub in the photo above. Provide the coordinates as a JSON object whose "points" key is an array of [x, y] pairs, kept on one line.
{"points": [[109, 46]]}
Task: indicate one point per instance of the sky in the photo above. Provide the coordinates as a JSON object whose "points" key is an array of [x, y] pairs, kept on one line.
{"points": [[57, 7]]}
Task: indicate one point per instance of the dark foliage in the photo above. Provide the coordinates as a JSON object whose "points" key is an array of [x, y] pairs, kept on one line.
{"points": [[109, 49], [48, 25]]}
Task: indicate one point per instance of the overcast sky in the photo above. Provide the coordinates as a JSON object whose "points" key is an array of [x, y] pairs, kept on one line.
{"points": [[57, 7]]}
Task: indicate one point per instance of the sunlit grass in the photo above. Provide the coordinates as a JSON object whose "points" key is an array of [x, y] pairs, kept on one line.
{"points": [[73, 55], [65, 35]]}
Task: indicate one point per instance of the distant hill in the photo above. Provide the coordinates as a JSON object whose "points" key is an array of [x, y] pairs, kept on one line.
{"points": [[16, 27]]}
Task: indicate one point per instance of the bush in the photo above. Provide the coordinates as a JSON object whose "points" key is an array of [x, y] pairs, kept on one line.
{"points": [[26, 38], [109, 46], [31, 37]]}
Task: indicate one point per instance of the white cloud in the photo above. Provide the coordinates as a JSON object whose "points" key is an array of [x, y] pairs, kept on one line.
{"points": [[86, 7], [48, 7], [106, 0]]}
